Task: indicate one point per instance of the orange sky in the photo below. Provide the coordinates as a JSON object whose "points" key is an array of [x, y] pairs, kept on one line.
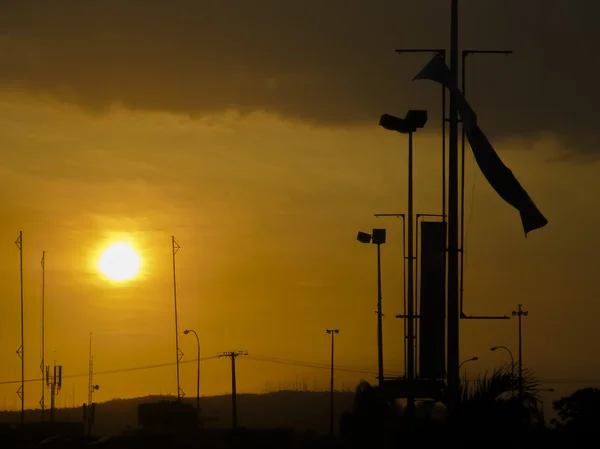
{"points": [[266, 208]]}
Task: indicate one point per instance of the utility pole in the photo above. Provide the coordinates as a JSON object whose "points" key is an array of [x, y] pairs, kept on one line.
{"points": [[55, 383], [21, 350], [333, 332], [179, 354], [520, 313], [233, 355], [43, 362], [89, 412]]}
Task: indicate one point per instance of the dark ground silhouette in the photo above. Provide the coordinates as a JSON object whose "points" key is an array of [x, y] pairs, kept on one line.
{"points": [[302, 411]]}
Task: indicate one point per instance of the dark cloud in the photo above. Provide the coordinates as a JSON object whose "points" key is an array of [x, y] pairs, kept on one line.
{"points": [[322, 61]]}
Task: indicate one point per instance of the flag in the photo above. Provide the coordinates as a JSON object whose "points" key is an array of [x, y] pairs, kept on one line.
{"points": [[499, 176]]}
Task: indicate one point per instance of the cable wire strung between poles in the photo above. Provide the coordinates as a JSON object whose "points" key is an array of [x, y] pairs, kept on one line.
{"points": [[280, 361], [116, 371], [314, 365]]}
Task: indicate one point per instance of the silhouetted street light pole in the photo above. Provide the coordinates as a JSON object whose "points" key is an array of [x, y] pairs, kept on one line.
{"points": [[233, 355], [414, 119], [378, 238], [403, 278], [512, 359], [333, 332], [186, 332], [520, 313], [472, 359]]}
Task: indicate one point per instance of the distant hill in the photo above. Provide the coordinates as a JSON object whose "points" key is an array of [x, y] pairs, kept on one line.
{"points": [[304, 411]]}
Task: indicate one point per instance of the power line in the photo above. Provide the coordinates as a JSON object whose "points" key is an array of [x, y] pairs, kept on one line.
{"points": [[312, 365], [116, 371], [281, 361]]}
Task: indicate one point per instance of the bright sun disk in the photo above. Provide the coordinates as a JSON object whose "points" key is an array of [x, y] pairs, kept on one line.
{"points": [[119, 262]]}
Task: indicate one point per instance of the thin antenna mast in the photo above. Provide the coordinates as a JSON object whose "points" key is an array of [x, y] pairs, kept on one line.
{"points": [[90, 374], [21, 350], [178, 352], [43, 362]]}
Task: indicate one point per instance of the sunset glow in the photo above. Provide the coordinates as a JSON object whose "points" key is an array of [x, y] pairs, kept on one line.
{"points": [[119, 262]]}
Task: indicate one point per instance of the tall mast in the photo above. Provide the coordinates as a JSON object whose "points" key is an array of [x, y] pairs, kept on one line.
{"points": [[453, 261], [21, 350], [43, 362], [178, 352]]}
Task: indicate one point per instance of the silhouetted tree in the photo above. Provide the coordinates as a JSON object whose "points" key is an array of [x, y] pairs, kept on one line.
{"points": [[491, 403], [579, 411]]}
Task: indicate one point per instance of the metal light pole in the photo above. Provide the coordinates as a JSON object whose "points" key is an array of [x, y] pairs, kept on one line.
{"points": [[333, 332], [404, 278], [472, 359], [512, 359], [414, 120], [453, 305], [378, 238], [185, 332], [520, 313]]}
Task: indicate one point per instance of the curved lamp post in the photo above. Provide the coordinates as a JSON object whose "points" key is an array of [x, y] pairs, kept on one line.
{"points": [[472, 359], [185, 332]]}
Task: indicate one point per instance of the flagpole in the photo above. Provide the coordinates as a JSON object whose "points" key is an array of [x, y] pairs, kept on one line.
{"points": [[453, 373]]}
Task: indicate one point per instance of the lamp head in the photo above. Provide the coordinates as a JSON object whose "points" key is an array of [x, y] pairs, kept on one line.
{"points": [[363, 237], [392, 123], [378, 236], [416, 119], [185, 332]]}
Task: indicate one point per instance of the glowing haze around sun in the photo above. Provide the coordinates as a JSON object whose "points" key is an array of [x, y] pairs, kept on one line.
{"points": [[119, 262]]}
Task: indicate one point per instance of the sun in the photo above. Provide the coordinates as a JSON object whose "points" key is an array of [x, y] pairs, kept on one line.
{"points": [[119, 262]]}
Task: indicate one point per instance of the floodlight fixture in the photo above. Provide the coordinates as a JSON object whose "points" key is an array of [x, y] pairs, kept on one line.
{"points": [[363, 237], [414, 119], [378, 236]]}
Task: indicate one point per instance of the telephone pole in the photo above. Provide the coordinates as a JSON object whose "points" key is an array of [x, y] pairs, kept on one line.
{"points": [[179, 354], [54, 381], [233, 355], [333, 332], [21, 350], [90, 409], [520, 313], [43, 362]]}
